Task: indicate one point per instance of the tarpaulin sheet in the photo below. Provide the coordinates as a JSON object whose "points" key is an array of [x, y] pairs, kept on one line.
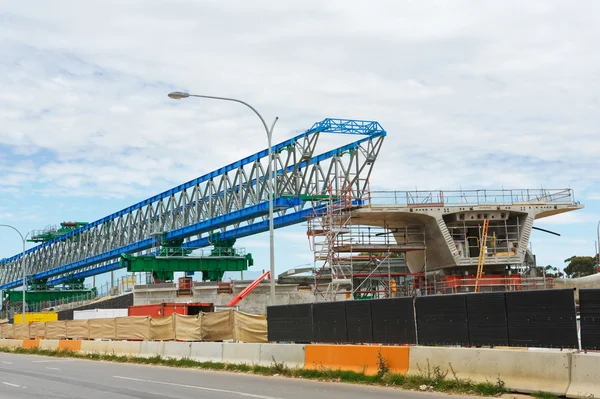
{"points": [[133, 328], [162, 328], [103, 328], [37, 330], [22, 331], [8, 331], [250, 328], [56, 330], [188, 328], [217, 326], [78, 329]]}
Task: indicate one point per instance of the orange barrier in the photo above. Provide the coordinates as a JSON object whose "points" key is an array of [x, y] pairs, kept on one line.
{"points": [[357, 358], [64, 345], [31, 344]]}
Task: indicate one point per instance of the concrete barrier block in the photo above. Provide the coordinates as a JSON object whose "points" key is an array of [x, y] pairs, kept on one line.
{"points": [[585, 376], [11, 343], [152, 348], [49, 344], [94, 347], [522, 371], [238, 353], [292, 355], [31, 344], [124, 348], [177, 350], [358, 358], [67, 345], [207, 352]]}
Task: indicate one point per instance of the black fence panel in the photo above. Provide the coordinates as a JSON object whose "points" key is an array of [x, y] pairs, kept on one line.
{"points": [[119, 302], [329, 322], [442, 320], [486, 316], [290, 323], [589, 312], [358, 322], [393, 321], [544, 319]]}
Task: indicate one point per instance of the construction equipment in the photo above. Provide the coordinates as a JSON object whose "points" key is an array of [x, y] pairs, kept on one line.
{"points": [[248, 289], [52, 232], [232, 199], [172, 257], [482, 251]]}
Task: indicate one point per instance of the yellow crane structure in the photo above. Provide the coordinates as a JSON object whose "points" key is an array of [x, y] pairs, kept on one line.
{"points": [[482, 251]]}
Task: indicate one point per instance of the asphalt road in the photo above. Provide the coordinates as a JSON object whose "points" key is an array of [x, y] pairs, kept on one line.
{"points": [[25, 376]]}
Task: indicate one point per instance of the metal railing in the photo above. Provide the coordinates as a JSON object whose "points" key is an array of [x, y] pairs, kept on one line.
{"points": [[473, 197], [205, 252], [417, 286]]}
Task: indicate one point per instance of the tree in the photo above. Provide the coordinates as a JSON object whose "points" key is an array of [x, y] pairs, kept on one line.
{"points": [[580, 266], [550, 271]]}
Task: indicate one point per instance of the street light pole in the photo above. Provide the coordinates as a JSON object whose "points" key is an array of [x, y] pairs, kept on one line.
{"points": [[177, 95], [22, 267], [598, 238]]}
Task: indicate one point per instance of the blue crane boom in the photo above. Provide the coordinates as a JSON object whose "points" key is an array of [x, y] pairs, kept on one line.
{"points": [[232, 199]]}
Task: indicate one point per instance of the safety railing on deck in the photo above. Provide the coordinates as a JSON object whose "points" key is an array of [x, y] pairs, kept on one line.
{"points": [[473, 197]]}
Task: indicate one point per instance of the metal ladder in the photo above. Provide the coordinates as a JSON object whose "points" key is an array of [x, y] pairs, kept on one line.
{"points": [[482, 251]]}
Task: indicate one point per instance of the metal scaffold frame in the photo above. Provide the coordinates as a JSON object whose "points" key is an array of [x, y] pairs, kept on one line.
{"points": [[380, 267], [326, 230], [350, 261]]}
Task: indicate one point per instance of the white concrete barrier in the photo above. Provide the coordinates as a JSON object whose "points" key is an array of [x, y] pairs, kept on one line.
{"points": [[207, 352], [585, 376], [11, 343], [177, 350], [49, 344], [94, 347], [152, 348], [292, 355], [523, 371], [123, 348], [241, 353]]}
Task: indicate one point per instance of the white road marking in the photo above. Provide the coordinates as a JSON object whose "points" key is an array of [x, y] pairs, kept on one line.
{"points": [[6, 362], [52, 368], [250, 395], [52, 361], [12, 385]]}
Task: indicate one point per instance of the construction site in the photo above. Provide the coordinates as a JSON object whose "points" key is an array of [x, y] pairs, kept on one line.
{"points": [[366, 244]]}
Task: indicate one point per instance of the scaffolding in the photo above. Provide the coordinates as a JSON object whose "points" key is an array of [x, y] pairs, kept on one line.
{"points": [[327, 230], [360, 262]]}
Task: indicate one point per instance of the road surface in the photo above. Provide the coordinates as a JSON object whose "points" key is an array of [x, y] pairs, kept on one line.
{"points": [[26, 376]]}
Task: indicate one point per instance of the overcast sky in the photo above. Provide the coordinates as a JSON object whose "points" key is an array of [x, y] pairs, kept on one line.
{"points": [[482, 94]]}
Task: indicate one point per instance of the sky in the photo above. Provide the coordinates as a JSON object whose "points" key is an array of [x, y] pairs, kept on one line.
{"points": [[480, 94]]}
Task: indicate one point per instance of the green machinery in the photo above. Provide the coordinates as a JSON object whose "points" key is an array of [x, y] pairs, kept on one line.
{"points": [[51, 232], [40, 295], [173, 258], [38, 292]]}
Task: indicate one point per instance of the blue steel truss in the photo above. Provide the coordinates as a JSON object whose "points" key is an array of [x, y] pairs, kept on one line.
{"points": [[232, 199]]}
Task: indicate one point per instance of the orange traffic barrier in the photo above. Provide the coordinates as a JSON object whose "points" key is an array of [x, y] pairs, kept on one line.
{"points": [[357, 358], [31, 344], [64, 345]]}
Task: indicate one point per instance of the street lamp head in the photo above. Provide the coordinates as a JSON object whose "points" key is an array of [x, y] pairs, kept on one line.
{"points": [[178, 95]]}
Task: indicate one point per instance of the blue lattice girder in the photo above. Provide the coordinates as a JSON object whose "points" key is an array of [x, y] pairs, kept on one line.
{"points": [[235, 187]]}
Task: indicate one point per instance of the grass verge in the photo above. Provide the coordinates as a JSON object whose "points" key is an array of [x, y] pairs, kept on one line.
{"points": [[424, 381]]}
